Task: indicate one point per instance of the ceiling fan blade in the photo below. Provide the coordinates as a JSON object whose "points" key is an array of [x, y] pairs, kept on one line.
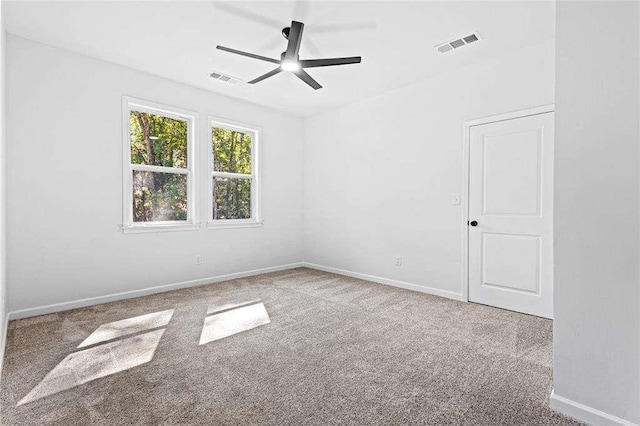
{"points": [[343, 27], [312, 63], [302, 75], [250, 55], [295, 37], [227, 7], [265, 76]]}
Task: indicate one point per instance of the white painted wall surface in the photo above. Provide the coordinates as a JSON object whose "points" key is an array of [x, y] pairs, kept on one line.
{"points": [[380, 174], [64, 191], [3, 283], [597, 214]]}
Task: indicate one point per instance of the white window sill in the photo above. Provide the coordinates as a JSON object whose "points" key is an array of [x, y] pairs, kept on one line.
{"points": [[141, 229], [233, 224]]}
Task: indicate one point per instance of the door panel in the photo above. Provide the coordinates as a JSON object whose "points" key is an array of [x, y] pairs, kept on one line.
{"points": [[512, 173], [522, 273], [510, 196]]}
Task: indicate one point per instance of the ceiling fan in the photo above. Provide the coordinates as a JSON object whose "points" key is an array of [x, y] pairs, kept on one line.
{"points": [[290, 61]]}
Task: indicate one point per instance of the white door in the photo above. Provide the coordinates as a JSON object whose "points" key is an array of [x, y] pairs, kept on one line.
{"points": [[511, 214]]}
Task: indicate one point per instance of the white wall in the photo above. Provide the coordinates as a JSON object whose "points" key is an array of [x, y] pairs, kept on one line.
{"points": [[597, 213], [380, 174], [64, 190], [3, 284]]}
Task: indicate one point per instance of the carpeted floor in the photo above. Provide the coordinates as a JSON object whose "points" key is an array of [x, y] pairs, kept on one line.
{"points": [[317, 348]]}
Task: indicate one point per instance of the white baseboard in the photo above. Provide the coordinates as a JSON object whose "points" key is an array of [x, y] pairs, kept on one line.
{"points": [[3, 340], [585, 413], [423, 289], [65, 306]]}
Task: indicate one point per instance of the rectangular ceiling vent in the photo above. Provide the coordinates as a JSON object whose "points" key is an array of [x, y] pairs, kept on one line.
{"points": [[225, 78], [457, 43]]}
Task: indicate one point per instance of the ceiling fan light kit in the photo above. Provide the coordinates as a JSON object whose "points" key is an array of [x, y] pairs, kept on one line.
{"points": [[290, 66], [290, 60]]}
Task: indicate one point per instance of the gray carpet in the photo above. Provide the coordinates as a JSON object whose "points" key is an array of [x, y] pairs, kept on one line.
{"points": [[333, 350]]}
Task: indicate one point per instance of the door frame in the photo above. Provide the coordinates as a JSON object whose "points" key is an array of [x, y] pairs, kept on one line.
{"points": [[467, 125]]}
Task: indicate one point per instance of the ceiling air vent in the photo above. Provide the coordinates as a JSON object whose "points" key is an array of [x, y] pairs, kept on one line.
{"points": [[457, 43], [224, 78]]}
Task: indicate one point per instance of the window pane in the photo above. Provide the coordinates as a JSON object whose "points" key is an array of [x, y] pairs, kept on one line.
{"points": [[231, 198], [231, 151], [159, 196], [158, 140]]}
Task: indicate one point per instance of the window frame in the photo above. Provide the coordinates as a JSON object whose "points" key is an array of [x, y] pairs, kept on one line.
{"points": [[256, 219], [128, 225]]}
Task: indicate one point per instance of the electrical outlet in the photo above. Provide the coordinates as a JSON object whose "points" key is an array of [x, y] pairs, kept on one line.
{"points": [[455, 200], [398, 260], [198, 260]]}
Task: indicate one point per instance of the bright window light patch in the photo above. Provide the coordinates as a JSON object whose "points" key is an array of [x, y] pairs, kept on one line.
{"points": [[104, 359], [128, 326], [228, 306], [94, 363], [233, 321]]}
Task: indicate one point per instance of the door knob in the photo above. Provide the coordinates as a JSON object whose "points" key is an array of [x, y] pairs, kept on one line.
{"points": [[473, 223]]}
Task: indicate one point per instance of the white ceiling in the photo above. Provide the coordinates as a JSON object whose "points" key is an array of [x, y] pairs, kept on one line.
{"points": [[177, 40]]}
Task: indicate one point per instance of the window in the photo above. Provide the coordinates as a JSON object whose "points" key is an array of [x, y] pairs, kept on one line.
{"points": [[159, 167], [234, 175]]}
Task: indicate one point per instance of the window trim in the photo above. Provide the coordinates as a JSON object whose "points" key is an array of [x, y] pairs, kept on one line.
{"points": [[256, 219], [191, 117]]}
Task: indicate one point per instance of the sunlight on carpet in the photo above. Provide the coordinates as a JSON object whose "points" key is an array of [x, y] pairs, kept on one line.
{"points": [[128, 326], [94, 363], [233, 321]]}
